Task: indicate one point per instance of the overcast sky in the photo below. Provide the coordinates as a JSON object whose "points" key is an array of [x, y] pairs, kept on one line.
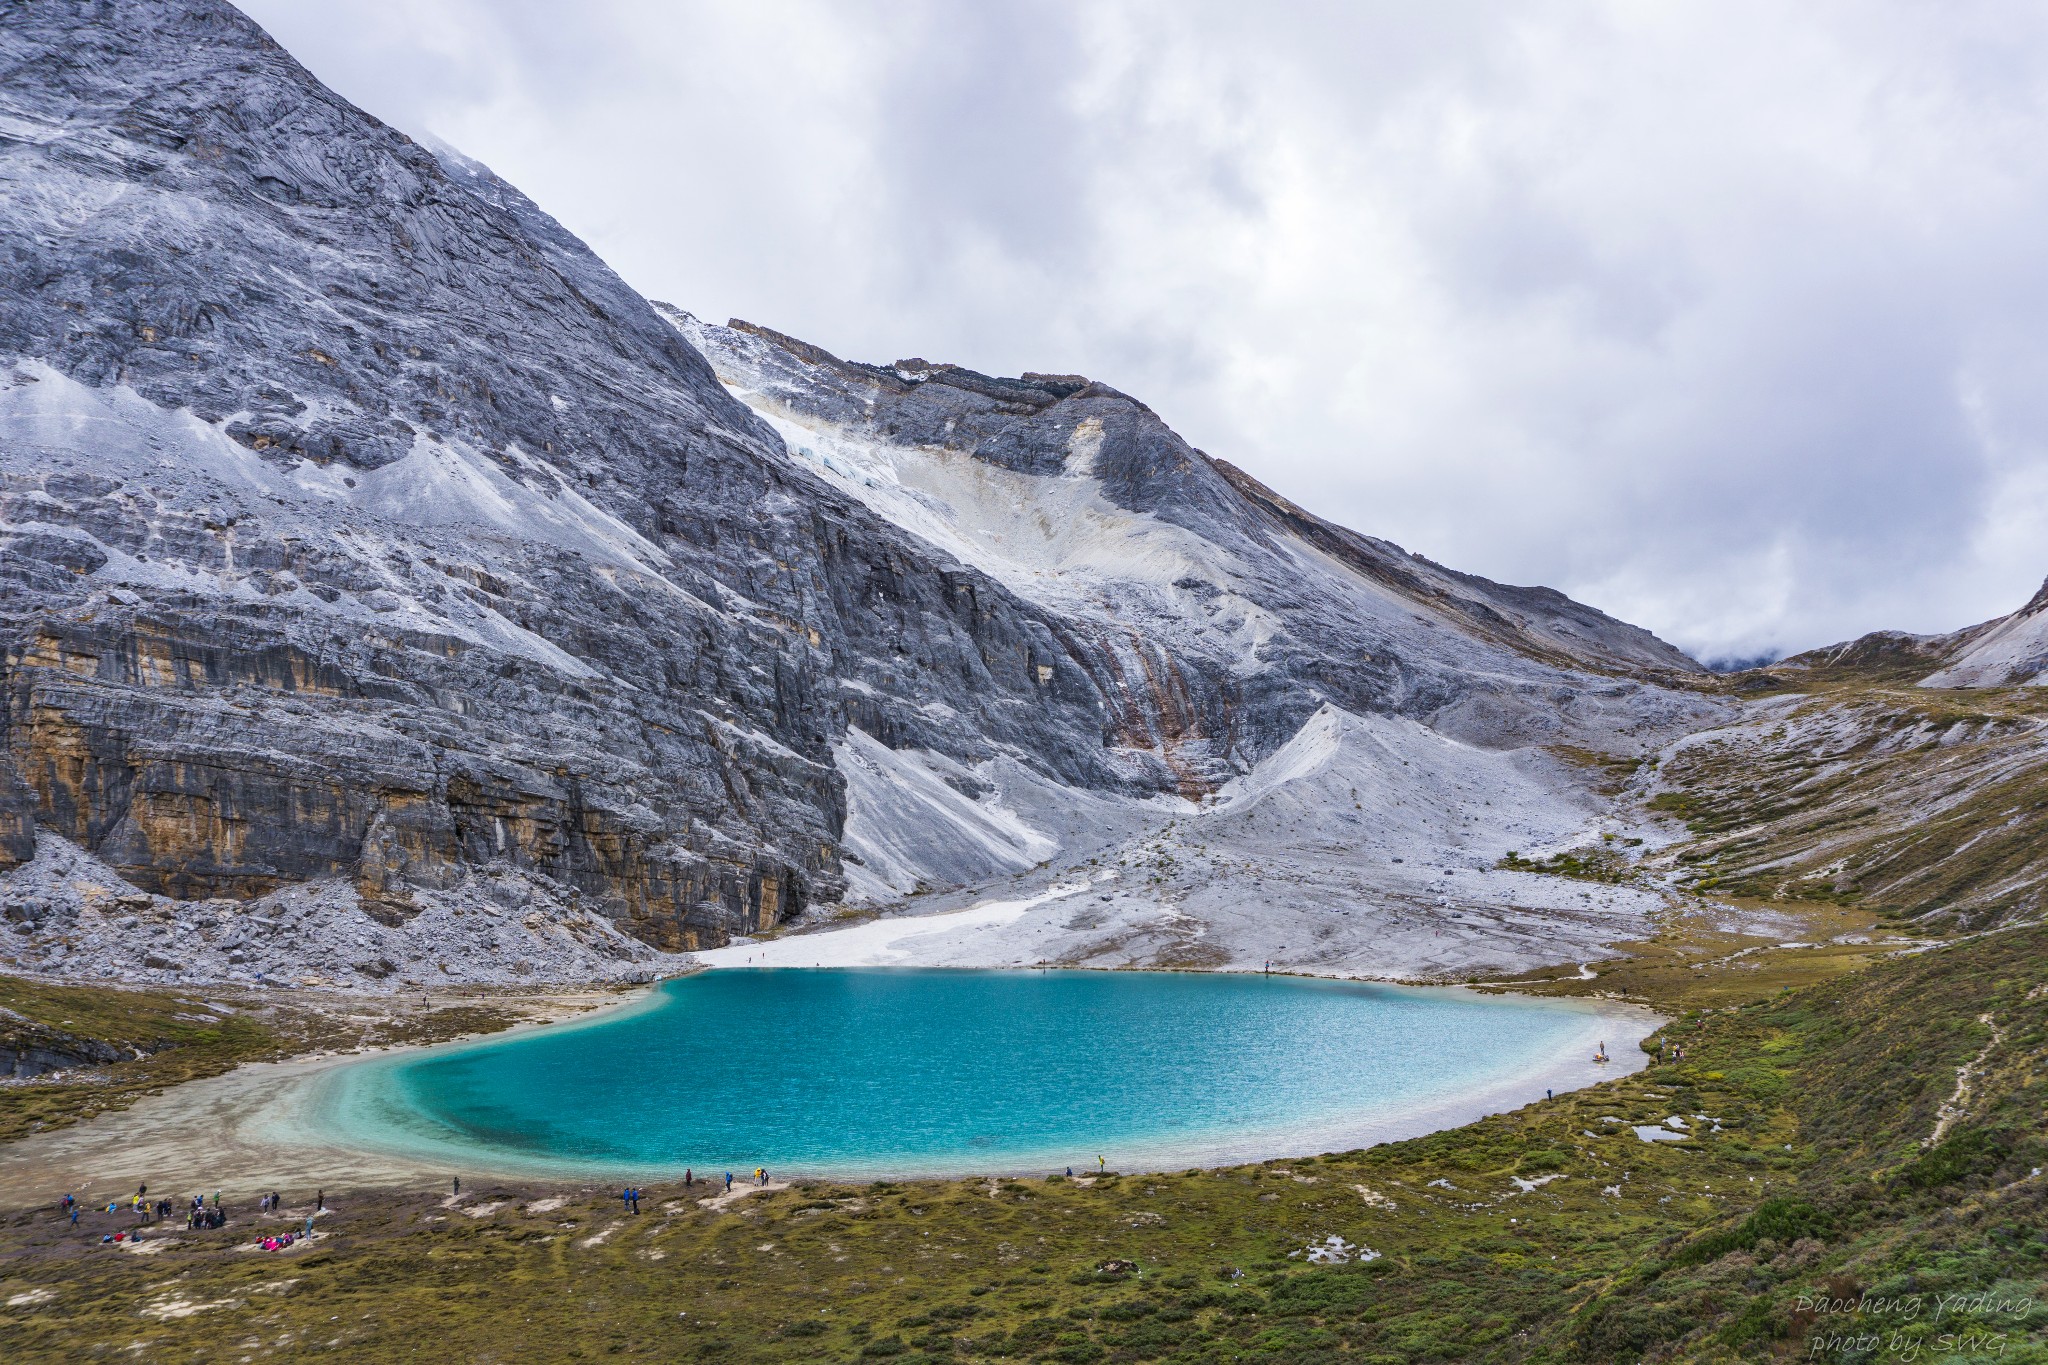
{"points": [[1730, 319]]}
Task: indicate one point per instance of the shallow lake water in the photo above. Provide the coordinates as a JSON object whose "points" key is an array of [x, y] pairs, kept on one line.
{"points": [[928, 1072]]}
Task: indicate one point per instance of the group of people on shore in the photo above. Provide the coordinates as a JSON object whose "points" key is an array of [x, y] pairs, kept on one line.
{"points": [[201, 1214]]}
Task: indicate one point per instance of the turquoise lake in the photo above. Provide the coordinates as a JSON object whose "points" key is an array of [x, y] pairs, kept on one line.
{"points": [[928, 1072]]}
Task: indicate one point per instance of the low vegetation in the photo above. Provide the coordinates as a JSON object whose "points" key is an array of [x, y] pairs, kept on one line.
{"points": [[1848, 789], [1604, 862]]}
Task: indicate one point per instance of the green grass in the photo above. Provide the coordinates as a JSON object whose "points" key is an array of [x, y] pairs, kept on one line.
{"points": [[1815, 1185]]}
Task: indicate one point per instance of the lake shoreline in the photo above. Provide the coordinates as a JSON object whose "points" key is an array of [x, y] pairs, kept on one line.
{"points": [[262, 1126]]}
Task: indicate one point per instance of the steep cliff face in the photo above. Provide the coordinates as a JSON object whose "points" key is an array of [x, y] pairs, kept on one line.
{"points": [[358, 521], [358, 524]]}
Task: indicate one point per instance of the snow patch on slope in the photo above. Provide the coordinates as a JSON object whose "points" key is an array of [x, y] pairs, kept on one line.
{"points": [[439, 484], [890, 942]]}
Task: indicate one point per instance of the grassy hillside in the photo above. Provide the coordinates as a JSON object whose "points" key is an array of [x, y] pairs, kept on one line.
{"points": [[1550, 1234], [1847, 785]]}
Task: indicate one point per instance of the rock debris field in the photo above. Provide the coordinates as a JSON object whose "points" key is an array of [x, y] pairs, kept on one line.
{"points": [[68, 914]]}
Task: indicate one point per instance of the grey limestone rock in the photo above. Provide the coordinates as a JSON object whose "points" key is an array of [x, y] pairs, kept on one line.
{"points": [[358, 525]]}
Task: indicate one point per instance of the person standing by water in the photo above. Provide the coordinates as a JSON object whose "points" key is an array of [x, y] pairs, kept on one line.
{"points": [[728, 1182], [688, 1177], [458, 1184]]}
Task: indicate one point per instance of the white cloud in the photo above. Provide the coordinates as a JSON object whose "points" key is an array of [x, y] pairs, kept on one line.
{"points": [[1728, 319]]}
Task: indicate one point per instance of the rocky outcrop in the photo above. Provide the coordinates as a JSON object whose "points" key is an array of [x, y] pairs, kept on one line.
{"points": [[359, 520], [30, 1049]]}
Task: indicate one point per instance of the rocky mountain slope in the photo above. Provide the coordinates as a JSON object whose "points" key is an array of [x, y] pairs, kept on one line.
{"points": [[1215, 614], [1907, 773], [2010, 650], [359, 529]]}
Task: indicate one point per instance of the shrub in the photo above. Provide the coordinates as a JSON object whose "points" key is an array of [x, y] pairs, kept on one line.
{"points": [[1323, 1293], [1973, 1151], [1778, 1220]]}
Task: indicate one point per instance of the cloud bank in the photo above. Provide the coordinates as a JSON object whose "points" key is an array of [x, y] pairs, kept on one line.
{"points": [[1730, 319]]}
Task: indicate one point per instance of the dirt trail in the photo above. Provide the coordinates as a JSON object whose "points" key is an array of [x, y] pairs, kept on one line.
{"points": [[740, 1190]]}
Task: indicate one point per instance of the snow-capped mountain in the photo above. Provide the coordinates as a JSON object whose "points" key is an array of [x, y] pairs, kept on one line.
{"points": [[359, 527]]}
